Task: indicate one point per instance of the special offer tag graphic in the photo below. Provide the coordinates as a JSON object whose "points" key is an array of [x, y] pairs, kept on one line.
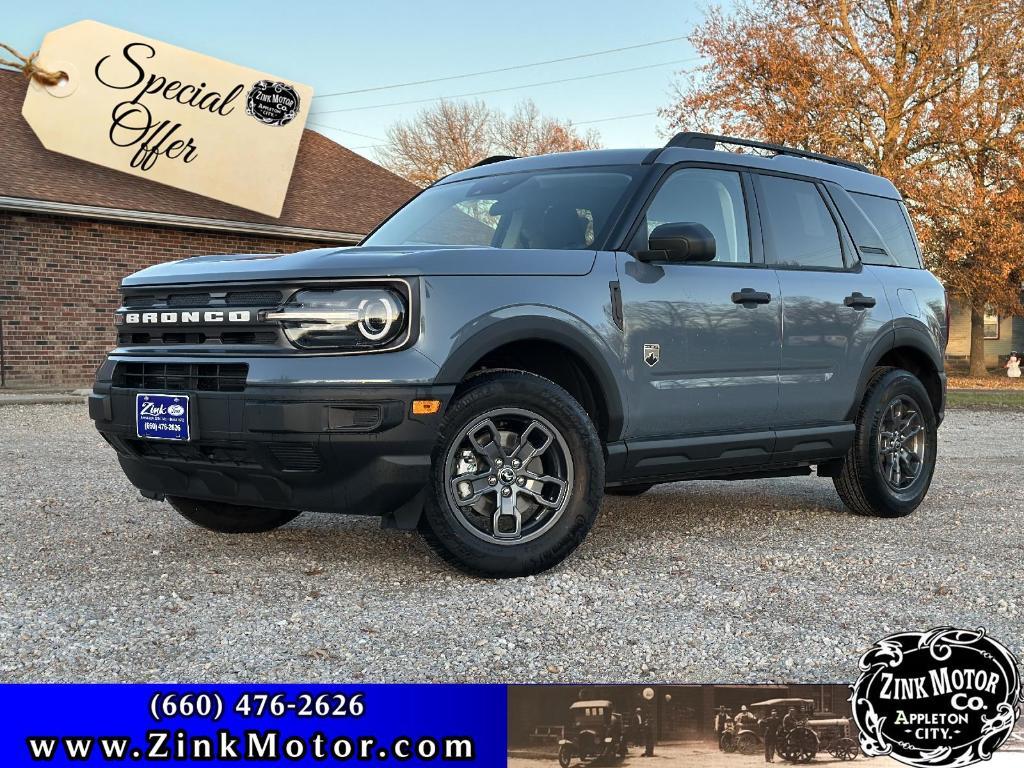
{"points": [[168, 114], [948, 697]]}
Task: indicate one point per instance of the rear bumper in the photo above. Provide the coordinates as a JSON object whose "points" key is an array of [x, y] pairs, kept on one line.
{"points": [[348, 449]]}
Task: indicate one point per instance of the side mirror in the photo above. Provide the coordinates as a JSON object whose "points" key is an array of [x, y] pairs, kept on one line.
{"points": [[684, 241]]}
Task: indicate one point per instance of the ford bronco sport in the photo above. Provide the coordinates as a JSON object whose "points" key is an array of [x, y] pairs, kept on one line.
{"points": [[531, 333]]}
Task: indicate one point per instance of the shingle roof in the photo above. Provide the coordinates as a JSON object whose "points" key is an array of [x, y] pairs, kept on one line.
{"points": [[332, 188]]}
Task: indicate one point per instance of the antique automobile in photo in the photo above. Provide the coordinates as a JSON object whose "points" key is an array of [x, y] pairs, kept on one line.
{"points": [[595, 731], [814, 732]]}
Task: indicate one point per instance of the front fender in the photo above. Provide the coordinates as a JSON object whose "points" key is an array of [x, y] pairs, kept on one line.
{"points": [[542, 323]]}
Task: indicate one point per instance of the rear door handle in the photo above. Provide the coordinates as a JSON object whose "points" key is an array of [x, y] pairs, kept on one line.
{"points": [[858, 300], [748, 297]]}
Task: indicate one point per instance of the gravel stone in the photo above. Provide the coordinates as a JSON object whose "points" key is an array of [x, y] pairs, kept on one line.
{"points": [[755, 581]]}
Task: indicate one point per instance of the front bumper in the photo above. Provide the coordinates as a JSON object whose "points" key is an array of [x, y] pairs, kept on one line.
{"points": [[352, 449]]}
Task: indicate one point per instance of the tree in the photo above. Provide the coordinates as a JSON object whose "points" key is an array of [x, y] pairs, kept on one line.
{"points": [[926, 93], [451, 136]]}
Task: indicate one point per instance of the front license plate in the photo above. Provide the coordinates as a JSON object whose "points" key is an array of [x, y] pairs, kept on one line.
{"points": [[161, 417]]}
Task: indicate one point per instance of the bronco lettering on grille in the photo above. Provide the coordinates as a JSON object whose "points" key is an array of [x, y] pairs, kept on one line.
{"points": [[172, 318]]}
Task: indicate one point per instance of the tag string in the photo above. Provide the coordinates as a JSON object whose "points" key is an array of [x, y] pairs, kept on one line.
{"points": [[27, 65]]}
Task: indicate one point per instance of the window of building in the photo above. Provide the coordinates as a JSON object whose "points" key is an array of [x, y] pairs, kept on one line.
{"points": [[991, 323]]}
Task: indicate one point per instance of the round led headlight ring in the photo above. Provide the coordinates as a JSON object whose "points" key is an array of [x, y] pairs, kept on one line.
{"points": [[376, 317]]}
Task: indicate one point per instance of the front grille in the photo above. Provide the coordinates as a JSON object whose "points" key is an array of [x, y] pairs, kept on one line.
{"points": [[188, 300], [223, 454], [197, 331], [254, 298], [177, 377], [173, 337], [241, 298]]}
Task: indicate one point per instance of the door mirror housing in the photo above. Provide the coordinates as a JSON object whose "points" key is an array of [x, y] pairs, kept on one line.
{"points": [[685, 241]]}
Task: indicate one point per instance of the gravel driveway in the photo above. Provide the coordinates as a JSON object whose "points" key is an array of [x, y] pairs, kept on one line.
{"points": [[756, 581]]}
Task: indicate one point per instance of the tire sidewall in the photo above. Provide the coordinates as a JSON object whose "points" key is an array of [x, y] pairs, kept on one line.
{"points": [[882, 497], [519, 390]]}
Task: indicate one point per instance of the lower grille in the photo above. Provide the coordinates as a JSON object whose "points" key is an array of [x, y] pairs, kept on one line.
{"points": [[227, 454], [289, 457], [177, 377], [296, 457]]}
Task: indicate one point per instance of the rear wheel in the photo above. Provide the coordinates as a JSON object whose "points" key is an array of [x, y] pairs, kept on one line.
{"points": [[747, 743], [231, 518], [800, 745], [517, 477], [887, 471]]}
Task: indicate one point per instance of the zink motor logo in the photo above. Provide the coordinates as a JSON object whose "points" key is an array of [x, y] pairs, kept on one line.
{"points": [[272, 103], [948, 697]]}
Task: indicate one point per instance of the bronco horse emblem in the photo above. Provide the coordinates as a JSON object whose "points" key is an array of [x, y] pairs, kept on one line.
{"points": [[652, 354]]}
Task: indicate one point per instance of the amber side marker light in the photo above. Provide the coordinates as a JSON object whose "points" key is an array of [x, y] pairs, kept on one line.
{"points": [[425, 407]]}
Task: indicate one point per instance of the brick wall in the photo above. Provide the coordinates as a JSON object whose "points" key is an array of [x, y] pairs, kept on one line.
{"points": [[58, 287]]}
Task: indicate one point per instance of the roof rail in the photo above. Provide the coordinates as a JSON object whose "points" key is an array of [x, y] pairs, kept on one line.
{"points": [[710, 141], [494, 159]]}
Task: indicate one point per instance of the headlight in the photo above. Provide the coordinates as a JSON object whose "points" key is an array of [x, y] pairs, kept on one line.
{"points": [[344, 318]]}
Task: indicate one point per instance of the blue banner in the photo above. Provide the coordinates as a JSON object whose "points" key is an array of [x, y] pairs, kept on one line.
{"points": [[137, 724]]}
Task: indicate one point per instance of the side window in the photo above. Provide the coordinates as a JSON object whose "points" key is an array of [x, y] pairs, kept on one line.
{"points": [[890, 220], [709, 197], [799, 230]]}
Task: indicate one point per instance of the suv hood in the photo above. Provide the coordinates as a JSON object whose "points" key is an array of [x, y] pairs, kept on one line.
{"points": [[370, 261]]}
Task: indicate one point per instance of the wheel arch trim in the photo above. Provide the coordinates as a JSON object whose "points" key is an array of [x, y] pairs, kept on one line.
{"points": [[579, 339], [913, 337]]}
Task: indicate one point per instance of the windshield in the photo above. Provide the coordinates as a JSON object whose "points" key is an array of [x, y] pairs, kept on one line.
{"points": [[568, 209]]}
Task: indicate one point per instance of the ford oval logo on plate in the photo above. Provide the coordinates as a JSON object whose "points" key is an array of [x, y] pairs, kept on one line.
{"points": [[161, 417]]}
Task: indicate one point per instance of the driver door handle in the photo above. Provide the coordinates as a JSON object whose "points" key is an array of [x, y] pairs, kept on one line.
{"points": [[858, 300], [748, 297]]}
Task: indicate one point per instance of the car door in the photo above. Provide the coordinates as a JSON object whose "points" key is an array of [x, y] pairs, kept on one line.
{"points": [[832, 308], [702, 340]]}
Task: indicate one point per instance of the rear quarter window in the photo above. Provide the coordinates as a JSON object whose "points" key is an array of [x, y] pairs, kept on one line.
{"points": [[891, 221]]}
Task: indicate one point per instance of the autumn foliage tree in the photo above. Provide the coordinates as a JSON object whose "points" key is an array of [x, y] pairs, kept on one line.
{"points": [[451, 136], [928, 93]]}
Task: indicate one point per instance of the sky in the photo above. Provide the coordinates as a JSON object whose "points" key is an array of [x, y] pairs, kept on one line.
{"points": [[350, 46]]}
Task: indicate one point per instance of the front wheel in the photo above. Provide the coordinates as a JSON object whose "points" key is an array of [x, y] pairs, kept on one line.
{"points": [[887, 471], [565, 756], [231, 518], [517, 477]]}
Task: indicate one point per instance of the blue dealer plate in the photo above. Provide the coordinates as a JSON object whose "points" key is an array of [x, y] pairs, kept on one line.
{"points": [[161, 417]]}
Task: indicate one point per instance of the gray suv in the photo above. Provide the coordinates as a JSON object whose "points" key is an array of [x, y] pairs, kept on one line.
{"points": [[531, 333]]}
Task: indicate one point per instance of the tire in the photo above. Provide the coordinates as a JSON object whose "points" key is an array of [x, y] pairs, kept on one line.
{"points": [[727, 742], [747, 743], [565, 756], [865, 482], [231, 518], [628, 490], [542, 523]]}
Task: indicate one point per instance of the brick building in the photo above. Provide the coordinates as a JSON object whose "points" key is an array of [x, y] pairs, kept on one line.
{"points": [[70, 230]]}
